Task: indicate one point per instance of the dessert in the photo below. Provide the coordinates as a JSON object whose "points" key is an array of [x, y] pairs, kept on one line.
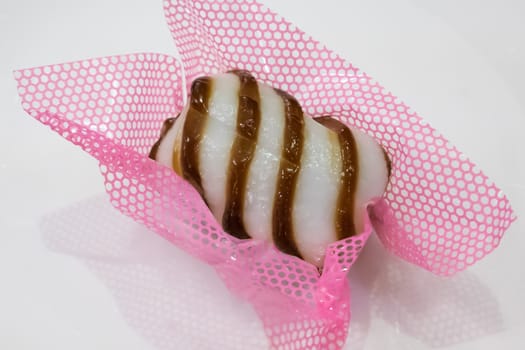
{"points": [[269, 171]]}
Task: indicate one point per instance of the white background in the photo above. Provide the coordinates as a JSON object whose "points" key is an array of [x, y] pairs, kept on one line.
{"points": [[458, 63]]}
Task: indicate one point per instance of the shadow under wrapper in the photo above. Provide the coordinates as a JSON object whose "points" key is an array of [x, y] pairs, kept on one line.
{"points": [[174, 300], [436, 311]]}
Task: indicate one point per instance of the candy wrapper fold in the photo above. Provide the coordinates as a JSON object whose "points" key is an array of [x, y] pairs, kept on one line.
{"points": [[439, 212]]}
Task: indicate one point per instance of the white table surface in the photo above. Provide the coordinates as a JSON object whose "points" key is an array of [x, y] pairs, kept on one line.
{"points": [[460, 64]]}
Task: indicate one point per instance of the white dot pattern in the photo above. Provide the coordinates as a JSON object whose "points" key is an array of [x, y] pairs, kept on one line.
{"points": [[439, 212]]}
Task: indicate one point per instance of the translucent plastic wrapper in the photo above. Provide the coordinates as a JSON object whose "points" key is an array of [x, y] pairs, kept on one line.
{"points": [[439, 212]]}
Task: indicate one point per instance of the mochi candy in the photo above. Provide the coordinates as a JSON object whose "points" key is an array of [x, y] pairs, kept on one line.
{"points": [[269, 171]]}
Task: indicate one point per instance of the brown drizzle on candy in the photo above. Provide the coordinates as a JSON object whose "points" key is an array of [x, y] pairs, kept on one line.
{"points": [[193, 129], [282, 223], [388, 162], [241, 153], [166, 126], [344, 214]]}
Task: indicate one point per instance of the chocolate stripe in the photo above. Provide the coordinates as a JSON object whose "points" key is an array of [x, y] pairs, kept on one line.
{"points": [[344, 214], [388, 162], [242, 153], [193, 129], [293, 138], [166, 126]]}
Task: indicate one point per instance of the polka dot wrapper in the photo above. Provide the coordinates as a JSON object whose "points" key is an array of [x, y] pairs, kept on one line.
{"points": [[439, 211]]}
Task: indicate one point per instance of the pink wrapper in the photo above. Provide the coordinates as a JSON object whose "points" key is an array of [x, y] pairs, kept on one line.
{"points": [[439, 212]]}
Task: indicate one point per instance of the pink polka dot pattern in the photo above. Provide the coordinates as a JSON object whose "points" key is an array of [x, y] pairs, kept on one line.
{"points": [[440, 212], [120, 97], [443, 213]]}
